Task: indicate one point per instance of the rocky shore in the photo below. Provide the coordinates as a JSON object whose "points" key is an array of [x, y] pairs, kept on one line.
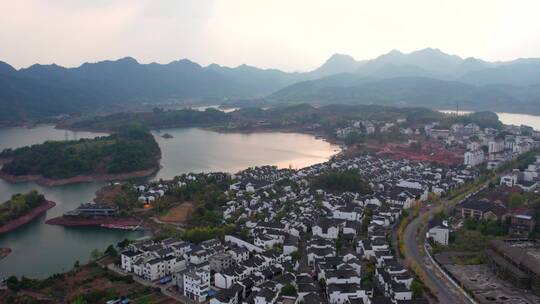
{"points": [[27, 218], [48, 182]]}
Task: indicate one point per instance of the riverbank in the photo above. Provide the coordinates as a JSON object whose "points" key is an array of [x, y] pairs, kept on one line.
{"points": [[48, 182], [4, 252], [27, 218], [127, 223]]}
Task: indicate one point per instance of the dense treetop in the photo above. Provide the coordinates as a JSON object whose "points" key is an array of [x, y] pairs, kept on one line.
{"points": [[157, 119], [130, 149], [19, 205], [341, 181]]}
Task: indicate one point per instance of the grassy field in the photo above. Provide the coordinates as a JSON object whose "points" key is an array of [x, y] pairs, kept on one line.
{"points": [[179, 214]]}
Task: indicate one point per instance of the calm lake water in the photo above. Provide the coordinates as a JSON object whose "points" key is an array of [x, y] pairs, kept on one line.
{"points": [[198, 150], [40, 250], [510, 118]]}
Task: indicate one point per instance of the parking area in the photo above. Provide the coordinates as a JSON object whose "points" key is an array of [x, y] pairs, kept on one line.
{"points": [[488, 288]]}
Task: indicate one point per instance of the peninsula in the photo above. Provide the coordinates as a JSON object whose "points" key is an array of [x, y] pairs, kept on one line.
{"points": [[128, 153], [21, 209]]}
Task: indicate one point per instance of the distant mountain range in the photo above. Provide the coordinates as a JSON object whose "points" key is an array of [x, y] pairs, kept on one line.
{"points": [[426, 77], [409, 91]]}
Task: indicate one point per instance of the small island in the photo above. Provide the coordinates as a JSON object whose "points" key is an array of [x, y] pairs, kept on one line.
{"points": [[167, 136], [128, 153], [21, 209]]}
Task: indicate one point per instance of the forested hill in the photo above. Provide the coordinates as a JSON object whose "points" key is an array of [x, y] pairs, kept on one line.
{"points": [[130, 149], [19, 205], [426, 77], [157, 119], [47, 90], [297, 117], [407, 92]]}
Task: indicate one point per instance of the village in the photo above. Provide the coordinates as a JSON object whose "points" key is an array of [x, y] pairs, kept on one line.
{"points": [[327, 233], [270, 152], [297, 242], [309, 244]]}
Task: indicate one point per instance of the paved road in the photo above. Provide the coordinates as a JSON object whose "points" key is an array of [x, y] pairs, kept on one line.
{"points": [[445, 292]]}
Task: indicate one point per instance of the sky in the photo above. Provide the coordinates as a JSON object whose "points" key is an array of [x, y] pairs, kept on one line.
{"points": [[292, 35]]}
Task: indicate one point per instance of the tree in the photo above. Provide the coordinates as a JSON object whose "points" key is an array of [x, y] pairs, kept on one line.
{"points": [[295, 255], [200, 234], [145, 300], [368, 215], [369, 273], [77, 264], [13, 283], [434, 198], [342, 181], [111, 251], [516, 200], [124, 243], [288, 290], [95, 255], [417, 288], [79, 300], [339, 243]]}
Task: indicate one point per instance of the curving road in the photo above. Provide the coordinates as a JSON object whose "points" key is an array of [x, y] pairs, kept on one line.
{"points": [[445, 292], [438, 283]]}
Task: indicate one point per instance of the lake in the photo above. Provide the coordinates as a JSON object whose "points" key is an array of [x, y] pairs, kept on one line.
{"points": [[198, 150], [40, 250], [510, 118]]}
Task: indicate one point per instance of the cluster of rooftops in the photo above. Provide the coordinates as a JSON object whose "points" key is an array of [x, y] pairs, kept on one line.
{"points": [[319, 242]]}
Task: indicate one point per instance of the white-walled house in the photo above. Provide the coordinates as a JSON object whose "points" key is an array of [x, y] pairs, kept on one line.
{"points": [[439, 234], [341, 293], [326, 229], [342, 276], [196, 284], [128, 259]]}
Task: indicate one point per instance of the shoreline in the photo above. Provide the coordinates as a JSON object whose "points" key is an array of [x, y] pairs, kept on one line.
{"points": [[100, 222], [49, 182], [317, 135], [27, 218]]}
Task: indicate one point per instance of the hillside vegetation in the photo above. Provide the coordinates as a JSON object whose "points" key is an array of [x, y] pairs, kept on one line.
{"points": [[19, 205], [130, 149], [425, 77], [409, 92], [157, 119]]}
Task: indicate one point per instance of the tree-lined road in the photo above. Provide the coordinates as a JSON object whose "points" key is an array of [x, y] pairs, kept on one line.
{"points": [[438, 283], [445, 292]]}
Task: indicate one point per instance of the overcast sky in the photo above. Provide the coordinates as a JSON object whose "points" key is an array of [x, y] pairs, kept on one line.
{"points": [[286, 34]]}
